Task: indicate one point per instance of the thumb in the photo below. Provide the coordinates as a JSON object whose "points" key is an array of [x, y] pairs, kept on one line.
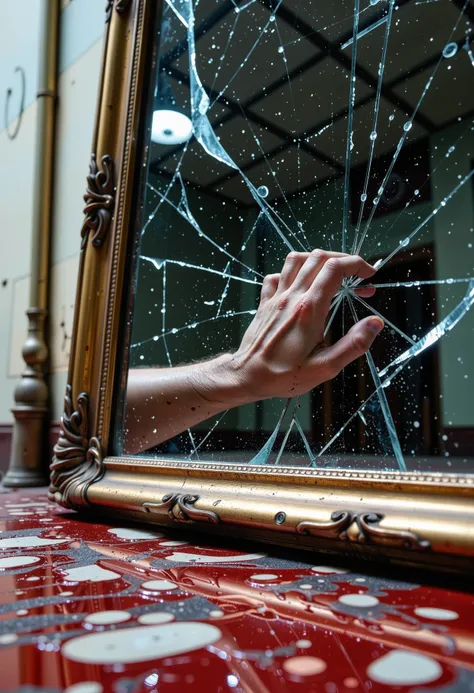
{"points": [[356, 342]]}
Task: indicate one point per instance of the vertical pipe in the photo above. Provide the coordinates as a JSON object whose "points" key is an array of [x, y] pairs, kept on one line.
{"points": [[28, 464]]}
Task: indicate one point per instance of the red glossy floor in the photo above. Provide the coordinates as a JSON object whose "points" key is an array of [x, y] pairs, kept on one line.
{"points": [[86, 608]]}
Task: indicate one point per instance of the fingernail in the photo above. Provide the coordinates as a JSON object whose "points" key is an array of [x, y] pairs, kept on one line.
{"points": [[375, 325]]}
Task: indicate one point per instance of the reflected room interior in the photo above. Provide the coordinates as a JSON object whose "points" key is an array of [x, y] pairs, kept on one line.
{"points": [[294, 126]]}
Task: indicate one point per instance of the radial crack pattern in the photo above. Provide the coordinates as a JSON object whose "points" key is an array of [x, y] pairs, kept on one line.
{"points": [[258, 178]]}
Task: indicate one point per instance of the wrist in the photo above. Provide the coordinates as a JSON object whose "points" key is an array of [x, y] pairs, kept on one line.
{"points": [[219, 383]]}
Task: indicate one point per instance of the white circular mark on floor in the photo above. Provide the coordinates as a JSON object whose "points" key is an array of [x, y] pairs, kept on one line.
{"points": [[159, 585], [85, 687], [328, 569], [173, 543], [264, 577], [303, 644], [101, 618], [125, 533], [400, 668], [436, 614], [21, 612], [29, 542], [155, 618], [216, 613], [363, 600], [8, 638], [140, 644], [17, 561], [304, 665], [196, 558], [90, 573]]}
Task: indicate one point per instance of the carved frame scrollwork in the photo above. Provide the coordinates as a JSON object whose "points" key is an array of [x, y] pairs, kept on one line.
{"points": [[425, 519], [100, 201], [78, 459], [181, 508], [362, 528]]}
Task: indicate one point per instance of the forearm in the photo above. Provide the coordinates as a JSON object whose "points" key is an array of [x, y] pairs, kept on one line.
{"points": [[163, 402]]}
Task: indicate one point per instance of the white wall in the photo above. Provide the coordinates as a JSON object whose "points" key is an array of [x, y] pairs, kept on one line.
{"points": [[81, 30]]}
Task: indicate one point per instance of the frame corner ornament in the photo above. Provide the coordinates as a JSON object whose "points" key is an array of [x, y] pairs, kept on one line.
{"points": [[363, 528], [121, 6], [181, 508], [99, 199], [78, 459]]}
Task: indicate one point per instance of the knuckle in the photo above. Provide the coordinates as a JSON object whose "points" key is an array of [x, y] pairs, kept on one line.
{"points": [[359, 343], [333, 265], [303, 306], [318, 254], [292, 257], [283, 302], [270, 281]]}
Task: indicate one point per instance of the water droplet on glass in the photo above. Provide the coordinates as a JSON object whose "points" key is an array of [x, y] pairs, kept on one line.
{"points": [[263, 191], [450, 49], [407, 126], [363, 197], [280, 49], [405, 242], [391, 117], [373, 135]]}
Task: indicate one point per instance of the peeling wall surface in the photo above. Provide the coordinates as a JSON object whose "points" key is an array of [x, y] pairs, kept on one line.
{"points": [[346, 126], [89, 608]]}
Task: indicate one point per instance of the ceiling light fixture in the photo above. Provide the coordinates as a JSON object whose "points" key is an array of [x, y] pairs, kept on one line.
{"points": [[169, 125]]}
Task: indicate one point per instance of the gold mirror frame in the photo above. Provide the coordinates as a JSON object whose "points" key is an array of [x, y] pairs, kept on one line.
{"points": [[423, 519]]}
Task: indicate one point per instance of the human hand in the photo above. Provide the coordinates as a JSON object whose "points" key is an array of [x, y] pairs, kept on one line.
{"points": [[283, 353]]}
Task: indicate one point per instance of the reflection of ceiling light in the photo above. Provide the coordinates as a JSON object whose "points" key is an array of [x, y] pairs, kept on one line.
{"points": [[170, 125]]}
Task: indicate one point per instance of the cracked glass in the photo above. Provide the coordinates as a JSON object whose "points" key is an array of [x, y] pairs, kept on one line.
{"points": [[284, 126]]}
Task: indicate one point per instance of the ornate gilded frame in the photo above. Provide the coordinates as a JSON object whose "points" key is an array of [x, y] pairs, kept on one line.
{"points": [[423, 519]]}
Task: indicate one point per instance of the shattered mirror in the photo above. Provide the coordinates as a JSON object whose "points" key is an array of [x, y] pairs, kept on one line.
{"points": [[280, 126]]}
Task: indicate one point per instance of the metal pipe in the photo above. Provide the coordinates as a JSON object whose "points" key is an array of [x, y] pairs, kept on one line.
{"points": [[28, 461]]}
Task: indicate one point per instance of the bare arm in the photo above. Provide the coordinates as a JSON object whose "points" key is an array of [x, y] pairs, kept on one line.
{"points": [[162, 402], [282, 354]]}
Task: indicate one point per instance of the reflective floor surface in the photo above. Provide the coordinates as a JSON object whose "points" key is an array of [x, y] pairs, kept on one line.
{"points": [[91, 608]]}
